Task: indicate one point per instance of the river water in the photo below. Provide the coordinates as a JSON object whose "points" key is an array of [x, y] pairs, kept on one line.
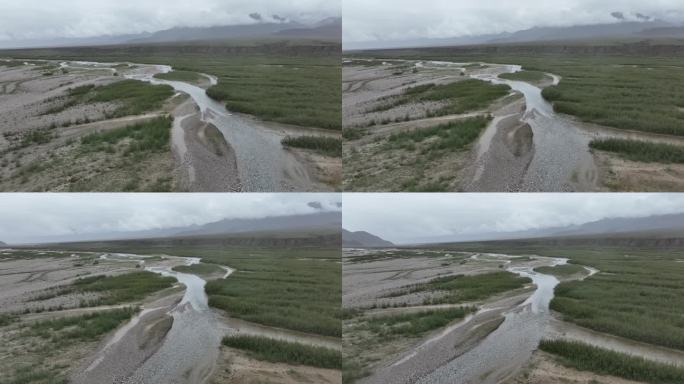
{"points": [[189, 350], [511, 345], [259, 153]]}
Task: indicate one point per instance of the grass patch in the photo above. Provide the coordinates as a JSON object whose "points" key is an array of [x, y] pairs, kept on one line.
{"points": [[116, 289], [80, 328], [202, 269], [327, 146], [33, 375], [278, 351], [636, 150], [288, 81], [416, 324], [133, 97], [584, 357], [627, 85], [460, 289], [186, 76], [562, 270], [38, 136], [462, 96], [287, 280], [7, 320], [451, 136], [277, 288], [637, 294], [150, 136], [528, 76]]}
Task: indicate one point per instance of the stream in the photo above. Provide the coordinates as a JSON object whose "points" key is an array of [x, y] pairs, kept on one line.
{"points": [[189, 350], [262, 161], [562, 159], [511, 345]]}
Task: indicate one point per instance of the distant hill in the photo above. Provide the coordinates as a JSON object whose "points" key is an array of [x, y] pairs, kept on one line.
{"points": [[362, 239], [2, 244], [330, 29], [326, 221], [621, 30], [327, 29], [279, 223], [672, 225]]}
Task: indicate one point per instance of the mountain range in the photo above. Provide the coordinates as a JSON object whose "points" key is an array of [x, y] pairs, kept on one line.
{"points": [[326, 29], [672, 224], [645, 29], [321, 220], [362, 239]]}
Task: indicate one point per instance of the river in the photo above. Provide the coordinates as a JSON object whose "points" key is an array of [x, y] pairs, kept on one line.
{"points": [[511, 345], [189, 350], [263, 164]]}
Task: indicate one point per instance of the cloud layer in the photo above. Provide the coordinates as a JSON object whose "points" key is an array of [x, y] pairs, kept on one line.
{"points": [[403, 218], [382, 20], [38, 19], [29, 216]]}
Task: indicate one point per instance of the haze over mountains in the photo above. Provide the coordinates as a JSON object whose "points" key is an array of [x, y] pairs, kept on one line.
{"points": [[326, 29], [362, 239], [643, 28], [318, 221], [651, 226]]}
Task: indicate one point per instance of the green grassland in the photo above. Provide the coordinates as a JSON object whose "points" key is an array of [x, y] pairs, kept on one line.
{"points": [[202, 269], [327, 146], [453, 136], [295, 81], [151, 136], [404, 161], [584, 357], [461, 289], [462, 96], [297, 289], [126, 288], [49, 338], [278, 351], [284, 280], [415, 324], [562, 270], [636, 150], [185, 76], [133, 96], [528, 76], [127, 159], [638, 292], [79, 328], [627, 85]]}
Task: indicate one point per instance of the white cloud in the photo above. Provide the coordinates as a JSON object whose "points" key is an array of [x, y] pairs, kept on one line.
{"points": [[380, 20], [27, 216], [403, 218], [39, 19]]}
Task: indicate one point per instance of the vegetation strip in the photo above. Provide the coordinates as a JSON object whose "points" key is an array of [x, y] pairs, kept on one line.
{"points": [[585, 357], [416, 324], [328, 146], [461, 288], [278, 351], [637, 150], [529, 76], [562, 270]]}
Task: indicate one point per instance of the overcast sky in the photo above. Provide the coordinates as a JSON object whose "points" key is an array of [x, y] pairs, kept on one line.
{"points": [[376, 20], [40, 19], [406, 218], [30, 216]]}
